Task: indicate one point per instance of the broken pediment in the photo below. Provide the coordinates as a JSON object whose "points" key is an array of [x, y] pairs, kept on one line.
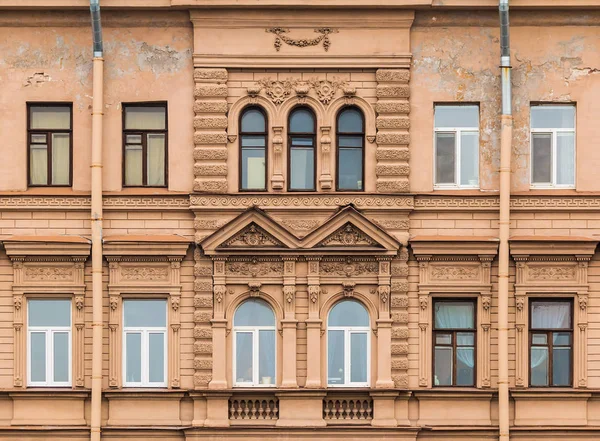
{"points": [[251, 236]]}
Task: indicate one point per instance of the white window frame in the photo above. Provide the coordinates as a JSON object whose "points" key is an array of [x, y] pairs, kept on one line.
{"points": [[254, 330], [457, 131], [554, 134], [49, 332], [145, 345], [348, 331]]}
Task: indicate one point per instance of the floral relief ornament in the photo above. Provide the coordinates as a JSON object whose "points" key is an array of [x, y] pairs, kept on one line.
{"points": [[278, 91], [301, 42]]}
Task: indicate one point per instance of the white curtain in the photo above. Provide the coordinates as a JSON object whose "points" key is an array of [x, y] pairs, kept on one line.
{"points": [[145, 118], [133, 165], [60, 158], [156, 159], [51, 118], [551, 315], [38, 164], [457, 316]]}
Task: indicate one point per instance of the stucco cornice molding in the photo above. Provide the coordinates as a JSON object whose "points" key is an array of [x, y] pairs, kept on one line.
{"points": [[432, 202], [77, 202], [398, 61]]}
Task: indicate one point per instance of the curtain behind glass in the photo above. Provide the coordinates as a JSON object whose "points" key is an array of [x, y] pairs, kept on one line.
{"points": [[38, 164], [145, 118], [156, 159], [551, 315], [454, 315], [50, 117], [60, 158]]}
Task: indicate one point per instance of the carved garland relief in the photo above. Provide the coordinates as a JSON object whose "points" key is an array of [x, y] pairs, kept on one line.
{"points": [[279, 91], [301, 42]]}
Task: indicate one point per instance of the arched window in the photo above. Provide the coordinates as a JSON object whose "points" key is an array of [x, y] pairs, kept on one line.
{"points": [[253, 149], [301, 141], [348, 345], [350, 131], [254, 344]]}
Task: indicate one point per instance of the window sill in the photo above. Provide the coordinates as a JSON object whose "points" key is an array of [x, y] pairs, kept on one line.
{"points": [[143, 393], [66, 392]]}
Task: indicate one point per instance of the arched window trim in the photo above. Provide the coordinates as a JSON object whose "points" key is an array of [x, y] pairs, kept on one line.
{"points": [[348, 330], [312, 135], [337, 146], [254, 330], [241, 134]]}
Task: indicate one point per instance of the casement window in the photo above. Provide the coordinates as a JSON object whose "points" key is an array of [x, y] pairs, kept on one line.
{"points": [[348, 345], [253, 149], [145, 145], [144, 343], [553, 146], [301, 142], [454, 342], [254, 345], [550, 343], [456, 146], [350, 134], [50, 138], [49, 342]]}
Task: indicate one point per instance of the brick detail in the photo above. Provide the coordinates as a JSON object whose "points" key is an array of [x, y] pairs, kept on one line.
{"points": [[210, 125], [399, 313], [203, 306], [392, 123]]}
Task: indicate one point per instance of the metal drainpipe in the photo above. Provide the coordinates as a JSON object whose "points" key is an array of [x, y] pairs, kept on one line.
{"points": [[504, 225], [96, 217]]}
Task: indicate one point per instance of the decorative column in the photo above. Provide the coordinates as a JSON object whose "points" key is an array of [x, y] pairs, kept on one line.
{"points": [[581, 350], [289, 323], [19, 334], [384, 327], [521, 346], [325, 180], [485, 341], [392, 130], [175, 323], [313, 325], [219, 327], [78, 345], [210, 125], [424, 313], [114, 321], [277, 181]]}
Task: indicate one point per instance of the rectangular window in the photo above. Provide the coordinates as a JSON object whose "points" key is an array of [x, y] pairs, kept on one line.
{"points": [[553, 146], [49, 132], [551, 342], [144, 343], [454, 342], [145, 145], [49, 342], [456, 146]]}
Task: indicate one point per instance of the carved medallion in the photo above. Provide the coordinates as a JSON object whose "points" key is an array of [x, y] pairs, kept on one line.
{"points": [[348, 235], [252, 236]]}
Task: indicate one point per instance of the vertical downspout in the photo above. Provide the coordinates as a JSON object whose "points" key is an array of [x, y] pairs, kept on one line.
{"points": [[504, 224], [96, 217]]}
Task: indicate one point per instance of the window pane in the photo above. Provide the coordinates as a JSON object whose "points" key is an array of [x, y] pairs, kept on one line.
{"points": [[465, 339], [561, 366], [350, 121], [539, 366], [266, 357], [443, 366], [348, 313], [133, 139], [145, 313], [243, 357], [50, 117], [551, 315], [253, 141], [38, 356], [454, 315], [565, 158], [335, 357], [38, 165], [469, 159], [561, 338], [156, 159], [457, 116], [350, 141], [61, 165], [302, 169], [49, 312], [145, 118], [465, 364], [358, 357], [542, 158], [350, 169], [254, 312], [253, 121], [539, 339], [553, 117], [133, 357], [302, 142], [443, 339], [61, 357], [133, 165], [444, 158], [156, 357], [39, 138], [253, 169], [302, 121]]}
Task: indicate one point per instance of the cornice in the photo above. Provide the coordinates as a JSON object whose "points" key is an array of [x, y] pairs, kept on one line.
{"points": [[83, 202], [397, 61], [521, 202]]}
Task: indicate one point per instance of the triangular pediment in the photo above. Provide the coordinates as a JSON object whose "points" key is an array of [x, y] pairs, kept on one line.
{"points": [[252, 229], [350, 229]]}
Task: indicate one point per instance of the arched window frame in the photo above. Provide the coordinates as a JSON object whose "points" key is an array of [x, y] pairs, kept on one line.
{"points": [[312, 136], [254, 330], [348, 331], [242, 134], [360, 135]]}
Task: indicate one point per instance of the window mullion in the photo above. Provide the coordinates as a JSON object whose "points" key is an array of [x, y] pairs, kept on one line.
{"points": [[50, 357], [347, 358], [457, 149], [554, 158], [255, 351]]}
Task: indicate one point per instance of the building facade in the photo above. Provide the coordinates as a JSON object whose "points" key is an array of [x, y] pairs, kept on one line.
{"points": [[300, 220]]}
